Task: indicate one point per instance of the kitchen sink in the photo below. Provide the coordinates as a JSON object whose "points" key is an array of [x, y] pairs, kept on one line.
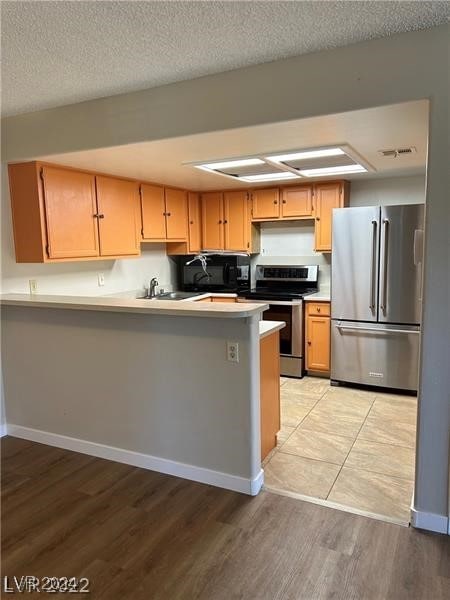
{"points": [[173, 296]]}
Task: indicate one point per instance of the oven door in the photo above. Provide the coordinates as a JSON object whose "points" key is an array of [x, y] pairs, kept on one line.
{"points": [[290, 336]]}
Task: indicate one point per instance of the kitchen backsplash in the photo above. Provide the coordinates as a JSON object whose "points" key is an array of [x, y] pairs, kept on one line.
{"points": [[292, 243]]}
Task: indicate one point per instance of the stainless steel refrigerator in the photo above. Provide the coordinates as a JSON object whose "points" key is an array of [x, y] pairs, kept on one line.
{"points": [[376, 286]]}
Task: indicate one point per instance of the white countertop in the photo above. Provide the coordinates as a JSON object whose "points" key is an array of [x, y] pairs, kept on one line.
{"points": [[177, 308], [320, 296], [268, 327]]}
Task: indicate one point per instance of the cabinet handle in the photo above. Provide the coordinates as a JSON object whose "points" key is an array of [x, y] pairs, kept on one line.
{"points": [[98, 216], [191, 222], [318, 309], [309, 343], [220, 222], [168, 214], [284, 201], [225, 221], [317, 218], [275, 201]]}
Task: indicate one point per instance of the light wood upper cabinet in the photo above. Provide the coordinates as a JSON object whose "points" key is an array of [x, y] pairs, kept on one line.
{"points": [[62, 214], [226, 223], [212, 221], [70, 210], [296, 202], [265, 204], [236, 221], [318, 337], [327, 196], [164, 213], [153, 212], [118, 216], [176, 214], [195, 223]]}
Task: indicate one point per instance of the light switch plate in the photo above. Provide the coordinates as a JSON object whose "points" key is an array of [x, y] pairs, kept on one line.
{"points": [[33, 286]]}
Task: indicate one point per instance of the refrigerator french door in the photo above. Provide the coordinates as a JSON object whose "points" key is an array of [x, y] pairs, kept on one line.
{"points": [[376, 295]]}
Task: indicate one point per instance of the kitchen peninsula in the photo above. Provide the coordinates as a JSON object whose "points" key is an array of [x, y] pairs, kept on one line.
{"points": [[143, 382]]}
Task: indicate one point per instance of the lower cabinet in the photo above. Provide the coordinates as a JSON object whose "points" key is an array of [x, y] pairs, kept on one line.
{"points": [[318, 329], [270, 392]]}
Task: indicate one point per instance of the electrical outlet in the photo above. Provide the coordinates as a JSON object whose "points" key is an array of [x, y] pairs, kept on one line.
{"points": [[233, 351], [33, 286], [101, 279]]}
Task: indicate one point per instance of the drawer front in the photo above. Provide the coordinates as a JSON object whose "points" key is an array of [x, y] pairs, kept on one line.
{"points": [[318, 308]]}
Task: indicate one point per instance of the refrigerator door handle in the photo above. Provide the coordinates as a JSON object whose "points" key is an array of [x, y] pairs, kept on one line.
{"points": [[418, 257], [385, 265], [418, 246], [372, 272], [378, 329]]}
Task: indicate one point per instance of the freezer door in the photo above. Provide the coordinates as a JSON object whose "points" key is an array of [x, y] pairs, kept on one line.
{"points": [[354, 261], [375, 354], [401, 250]]}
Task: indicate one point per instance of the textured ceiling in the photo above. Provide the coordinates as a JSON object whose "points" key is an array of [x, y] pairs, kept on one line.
{"points": [[59, 52], [366, 131]]}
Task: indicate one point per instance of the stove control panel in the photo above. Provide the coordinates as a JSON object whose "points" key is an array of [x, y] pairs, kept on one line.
{"points": [[297, 273]]}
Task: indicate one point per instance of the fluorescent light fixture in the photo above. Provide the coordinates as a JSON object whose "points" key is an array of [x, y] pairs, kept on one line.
{"points": [[244, 162], [333, 171], [269, 177], [306, 154]]}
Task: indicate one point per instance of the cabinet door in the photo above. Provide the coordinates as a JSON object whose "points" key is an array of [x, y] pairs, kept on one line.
{"points": [[176, 214], [212, 221], [194, 230], [326, 197], [296, 202], [318, 343], [70, 208], [236, 221], [153, 212], [118, 202], [266, 204]]}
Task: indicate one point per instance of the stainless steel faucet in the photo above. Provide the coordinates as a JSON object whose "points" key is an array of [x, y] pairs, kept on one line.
{"points": [[151, 289]]}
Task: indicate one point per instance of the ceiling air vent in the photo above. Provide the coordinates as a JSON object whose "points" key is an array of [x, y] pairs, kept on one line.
{"points": [[395, 152]]}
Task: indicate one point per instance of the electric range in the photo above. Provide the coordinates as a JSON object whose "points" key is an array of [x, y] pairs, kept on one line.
{"points": [[283, 288]]}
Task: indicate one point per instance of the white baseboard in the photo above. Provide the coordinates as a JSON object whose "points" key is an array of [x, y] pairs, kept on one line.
{"points": [[3, 430], [145, 461], [429, 521]]}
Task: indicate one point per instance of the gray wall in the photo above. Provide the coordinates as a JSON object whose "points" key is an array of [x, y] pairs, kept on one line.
{"points": [[398, 68], [389, 190], [160, 386]]}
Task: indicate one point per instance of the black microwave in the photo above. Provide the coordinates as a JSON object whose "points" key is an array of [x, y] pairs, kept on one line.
{"points": [[216, 273]]}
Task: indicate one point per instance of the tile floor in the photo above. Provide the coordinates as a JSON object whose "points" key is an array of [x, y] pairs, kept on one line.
{"points": [[352, 447]]}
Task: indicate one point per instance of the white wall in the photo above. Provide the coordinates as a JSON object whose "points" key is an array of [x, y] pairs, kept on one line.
{"points": [[387, 191], [79, 278], [290, 243]]}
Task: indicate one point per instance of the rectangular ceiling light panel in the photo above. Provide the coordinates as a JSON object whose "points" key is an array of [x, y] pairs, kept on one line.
{"points": [[332, 171], [225, 164], [282, 175], [306, 154]]}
